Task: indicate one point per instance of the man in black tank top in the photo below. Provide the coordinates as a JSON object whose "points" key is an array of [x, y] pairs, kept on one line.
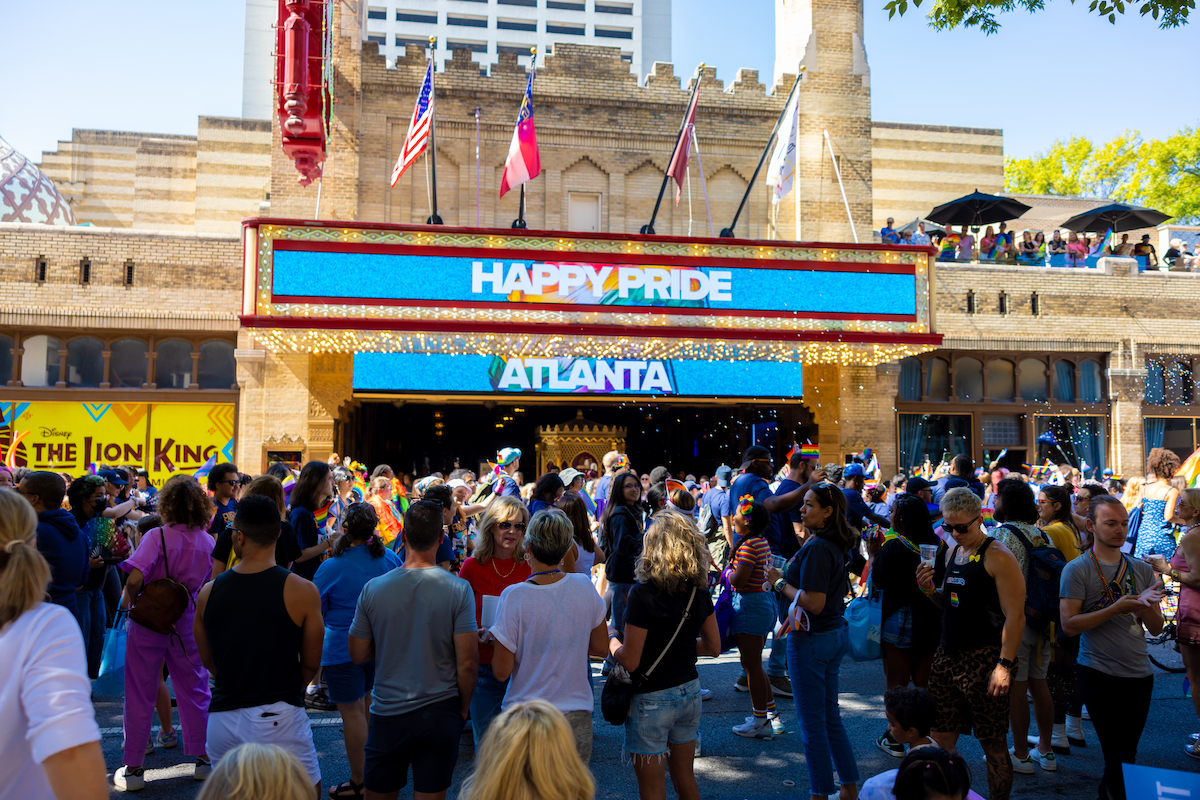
{"points": [[259, 632], [983, 615]]}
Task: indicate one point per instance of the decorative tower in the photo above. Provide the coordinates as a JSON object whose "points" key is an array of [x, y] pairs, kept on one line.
{"points": [[825, 37]]}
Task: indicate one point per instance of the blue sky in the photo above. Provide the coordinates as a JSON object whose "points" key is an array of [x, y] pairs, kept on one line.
{"points": [[147, 65]]}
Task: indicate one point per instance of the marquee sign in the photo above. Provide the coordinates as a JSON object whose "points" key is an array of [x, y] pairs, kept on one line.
{"points": [[593, 298]]}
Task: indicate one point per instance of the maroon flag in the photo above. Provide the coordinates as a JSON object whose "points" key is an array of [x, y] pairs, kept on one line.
{"points": [[683, 147]]}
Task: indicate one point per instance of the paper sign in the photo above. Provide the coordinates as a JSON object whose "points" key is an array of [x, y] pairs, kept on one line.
{"points": [[1152, 783]]}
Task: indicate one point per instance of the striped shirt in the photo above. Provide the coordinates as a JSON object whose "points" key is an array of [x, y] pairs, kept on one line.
{"points": [[757, 552]]}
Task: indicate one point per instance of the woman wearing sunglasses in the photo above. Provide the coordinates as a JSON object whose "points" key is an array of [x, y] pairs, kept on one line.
{"points": [[497, 563], [817, 581]]}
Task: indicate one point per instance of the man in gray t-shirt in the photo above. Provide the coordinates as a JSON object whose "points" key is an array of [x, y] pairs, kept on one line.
{"points": [[418, 626], [1110, 600]]}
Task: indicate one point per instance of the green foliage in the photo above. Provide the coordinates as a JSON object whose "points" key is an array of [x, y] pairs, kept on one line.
{"points": [[982, 13], [1158, 174]]}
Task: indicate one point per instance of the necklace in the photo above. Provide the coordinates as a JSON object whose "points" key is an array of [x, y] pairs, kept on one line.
{"points": [[503, 574], [545, 572]]}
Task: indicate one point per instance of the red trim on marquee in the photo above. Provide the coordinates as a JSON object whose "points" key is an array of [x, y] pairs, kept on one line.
{"points": [[577, 257], [552, 329]]}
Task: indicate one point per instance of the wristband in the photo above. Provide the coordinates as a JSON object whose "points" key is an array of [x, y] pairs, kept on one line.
{"points": [[1174, 574], [779, 584], [1004, 662]]}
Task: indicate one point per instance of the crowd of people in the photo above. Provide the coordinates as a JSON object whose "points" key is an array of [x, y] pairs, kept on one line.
{"points": [[998, 244], [417, 607]]}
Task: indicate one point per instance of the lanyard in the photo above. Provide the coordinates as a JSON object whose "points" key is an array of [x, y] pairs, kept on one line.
{"points": [[1110, 596]]}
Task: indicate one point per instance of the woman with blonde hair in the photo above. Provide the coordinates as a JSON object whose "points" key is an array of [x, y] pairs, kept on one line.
{"points": [[49, 740], [1133, 493], [546, 628], [390, 524], [529, 755], [497, 562], [257, 772], [287, 549], [669, 622]]}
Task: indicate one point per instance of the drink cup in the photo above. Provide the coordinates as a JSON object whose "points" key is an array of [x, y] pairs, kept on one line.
{"points": [[928, 554], [779, 563]]}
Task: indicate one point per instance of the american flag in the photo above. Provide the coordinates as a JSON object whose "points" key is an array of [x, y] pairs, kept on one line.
{"points": [[418, 128]]}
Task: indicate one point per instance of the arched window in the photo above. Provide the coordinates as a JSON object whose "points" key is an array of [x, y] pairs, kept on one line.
{"points": [[1089, 381], [910, 378], [1178, 383], [218, 369], [999, 379], [937, 379], [127, 366], [1064, 381], [85, 361], [6, 360], [968, 379], [1033, 380], [39, 365], [173, 365]]}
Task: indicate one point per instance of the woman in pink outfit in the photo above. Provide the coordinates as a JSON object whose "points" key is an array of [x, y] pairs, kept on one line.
{"points": [[181, 548]]}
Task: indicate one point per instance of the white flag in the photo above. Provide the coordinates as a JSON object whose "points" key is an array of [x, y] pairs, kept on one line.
{"points": [[782, 169]]}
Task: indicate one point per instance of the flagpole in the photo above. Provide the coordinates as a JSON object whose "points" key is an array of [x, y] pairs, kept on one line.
{"points": [[434, 219], [649, 228], [519, 222], [727, 233]]}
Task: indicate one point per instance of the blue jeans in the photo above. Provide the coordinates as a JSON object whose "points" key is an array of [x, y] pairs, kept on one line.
{"points": [[620, 601], [814, 660], [89, 610], [485, 703], [777, 663]]}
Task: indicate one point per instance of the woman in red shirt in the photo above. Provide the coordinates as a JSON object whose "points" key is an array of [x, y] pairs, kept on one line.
{"points": [[497, 563]]}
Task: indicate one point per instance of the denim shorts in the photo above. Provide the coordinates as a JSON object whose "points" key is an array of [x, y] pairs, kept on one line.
{"points": [[349, 682], [755, 613], [668, 716], [898, 628]]}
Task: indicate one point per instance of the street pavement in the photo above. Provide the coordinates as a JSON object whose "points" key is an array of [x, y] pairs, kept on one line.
{"points": [[729, 766]]}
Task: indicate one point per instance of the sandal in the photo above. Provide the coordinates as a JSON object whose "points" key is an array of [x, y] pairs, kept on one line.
{"points": [[345, 790]]}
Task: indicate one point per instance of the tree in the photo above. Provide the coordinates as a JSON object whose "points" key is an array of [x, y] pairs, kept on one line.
{"points": [[982, 13], [1159, 174]]}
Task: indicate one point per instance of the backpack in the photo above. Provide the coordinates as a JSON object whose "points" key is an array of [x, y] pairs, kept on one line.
{"points": [[162, 603], [726, 616], [1046, 564], [709, 523]]}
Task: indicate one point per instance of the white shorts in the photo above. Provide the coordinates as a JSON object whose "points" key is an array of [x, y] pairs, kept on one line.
{"points": [[280, 723]]}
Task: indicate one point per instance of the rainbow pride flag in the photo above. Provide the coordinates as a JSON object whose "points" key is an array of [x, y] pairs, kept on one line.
{"points": [[321, 515], [1039, 473], [205, 468], [1190, 470]]}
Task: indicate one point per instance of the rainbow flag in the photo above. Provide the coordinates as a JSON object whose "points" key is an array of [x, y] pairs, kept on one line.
{"points": [[1039, 473], [1105, 243], [321, 515], [205, 468], [1190, 470], [988, 516]]}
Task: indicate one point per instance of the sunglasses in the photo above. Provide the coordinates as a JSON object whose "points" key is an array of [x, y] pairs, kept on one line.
{"points": [[508, 526], [962, 528], [234, 481]]}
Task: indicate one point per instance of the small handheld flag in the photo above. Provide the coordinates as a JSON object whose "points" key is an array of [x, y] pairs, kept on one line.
{"points": [[523, 162], [205, 468], [418, 128]]}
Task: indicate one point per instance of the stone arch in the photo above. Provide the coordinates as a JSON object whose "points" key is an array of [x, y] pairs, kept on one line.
{"points": [[641, 189], [725, 189], [586, 176]]}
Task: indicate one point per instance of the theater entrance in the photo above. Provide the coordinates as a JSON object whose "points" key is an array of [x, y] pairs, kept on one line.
{"points": [[420, 437]]}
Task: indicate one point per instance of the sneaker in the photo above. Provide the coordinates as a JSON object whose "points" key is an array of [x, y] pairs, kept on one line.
{"points": [[1058, 743], [318, 701], [777, 726], [706, 694], [150, 746], [203, 769], [1192, 750], [1044, 760], [1194, 737], [742, 684], [889, 745], [1021, 765], [130, 779], [167, 740], [781, 685], [1086, 715], [755, 729]]}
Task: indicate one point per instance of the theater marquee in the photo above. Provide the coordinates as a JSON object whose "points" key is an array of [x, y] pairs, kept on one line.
{"points": [[491, 312]]}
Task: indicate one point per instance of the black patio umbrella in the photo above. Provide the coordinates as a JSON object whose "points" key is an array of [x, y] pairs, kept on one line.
{"points": [[978, 209], [1118, 216]]}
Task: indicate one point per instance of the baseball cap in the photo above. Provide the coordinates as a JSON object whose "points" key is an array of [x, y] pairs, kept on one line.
{"points": [[689, 485], [454, 483], [916, 484], [115, 477], [755, 453], [569, 475], [854, 471], [723, 474]]}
